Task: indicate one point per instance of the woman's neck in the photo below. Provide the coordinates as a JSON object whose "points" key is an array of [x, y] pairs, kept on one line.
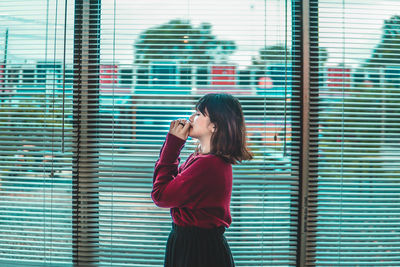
{"points": [[204, 146]]}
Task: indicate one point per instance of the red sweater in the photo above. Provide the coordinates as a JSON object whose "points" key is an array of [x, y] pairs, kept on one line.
{"points": [[198, 192]]}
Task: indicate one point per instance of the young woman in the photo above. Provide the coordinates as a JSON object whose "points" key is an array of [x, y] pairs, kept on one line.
{"points": [[199, 191]]}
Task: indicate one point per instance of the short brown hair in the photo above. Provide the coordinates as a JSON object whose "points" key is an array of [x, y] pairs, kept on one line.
{"points": [[228, 141]]}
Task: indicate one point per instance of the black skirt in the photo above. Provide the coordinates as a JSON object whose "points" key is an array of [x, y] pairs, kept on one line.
{"points": [[197, 247]]}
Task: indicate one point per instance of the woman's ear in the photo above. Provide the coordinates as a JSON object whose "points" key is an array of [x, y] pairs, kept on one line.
{"points": [[212, 127]]}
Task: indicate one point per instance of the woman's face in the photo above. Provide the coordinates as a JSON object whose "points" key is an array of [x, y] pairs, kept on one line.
{"points": [[201, 126]]}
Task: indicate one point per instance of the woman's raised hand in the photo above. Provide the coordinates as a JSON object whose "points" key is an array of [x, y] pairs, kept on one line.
{"points": [[180, 128]]}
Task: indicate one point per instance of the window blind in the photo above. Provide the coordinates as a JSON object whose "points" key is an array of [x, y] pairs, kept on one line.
{"points": [[55, 211], [87, 91], [355, 107], [157, 59], [36, 133]]}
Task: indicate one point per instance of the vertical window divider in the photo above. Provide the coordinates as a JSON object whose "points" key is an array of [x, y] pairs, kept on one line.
{"points": [[304, 23], [304, 77], [314, 91], [85, 127]]}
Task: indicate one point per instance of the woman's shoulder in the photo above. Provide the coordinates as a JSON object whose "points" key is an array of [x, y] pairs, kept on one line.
{"points": [[210, 158], [205, 156]]}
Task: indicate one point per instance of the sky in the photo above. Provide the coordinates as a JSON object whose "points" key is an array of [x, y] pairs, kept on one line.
{"points": [[348, 33]]}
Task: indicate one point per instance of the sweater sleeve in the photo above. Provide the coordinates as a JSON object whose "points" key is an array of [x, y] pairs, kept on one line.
{"points": [[186, 189], [171, 149], [190, 188]]}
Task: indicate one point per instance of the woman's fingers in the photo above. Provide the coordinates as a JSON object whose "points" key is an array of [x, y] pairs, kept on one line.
{"points": [[187, 126], [180, 128]]}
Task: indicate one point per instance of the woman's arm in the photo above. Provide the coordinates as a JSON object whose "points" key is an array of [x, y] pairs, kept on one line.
{"points": [[169, 153], [190, 187], [175, 140]]}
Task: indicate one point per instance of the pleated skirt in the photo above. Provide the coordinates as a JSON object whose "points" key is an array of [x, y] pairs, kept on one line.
{"points": [[197, 247]]}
